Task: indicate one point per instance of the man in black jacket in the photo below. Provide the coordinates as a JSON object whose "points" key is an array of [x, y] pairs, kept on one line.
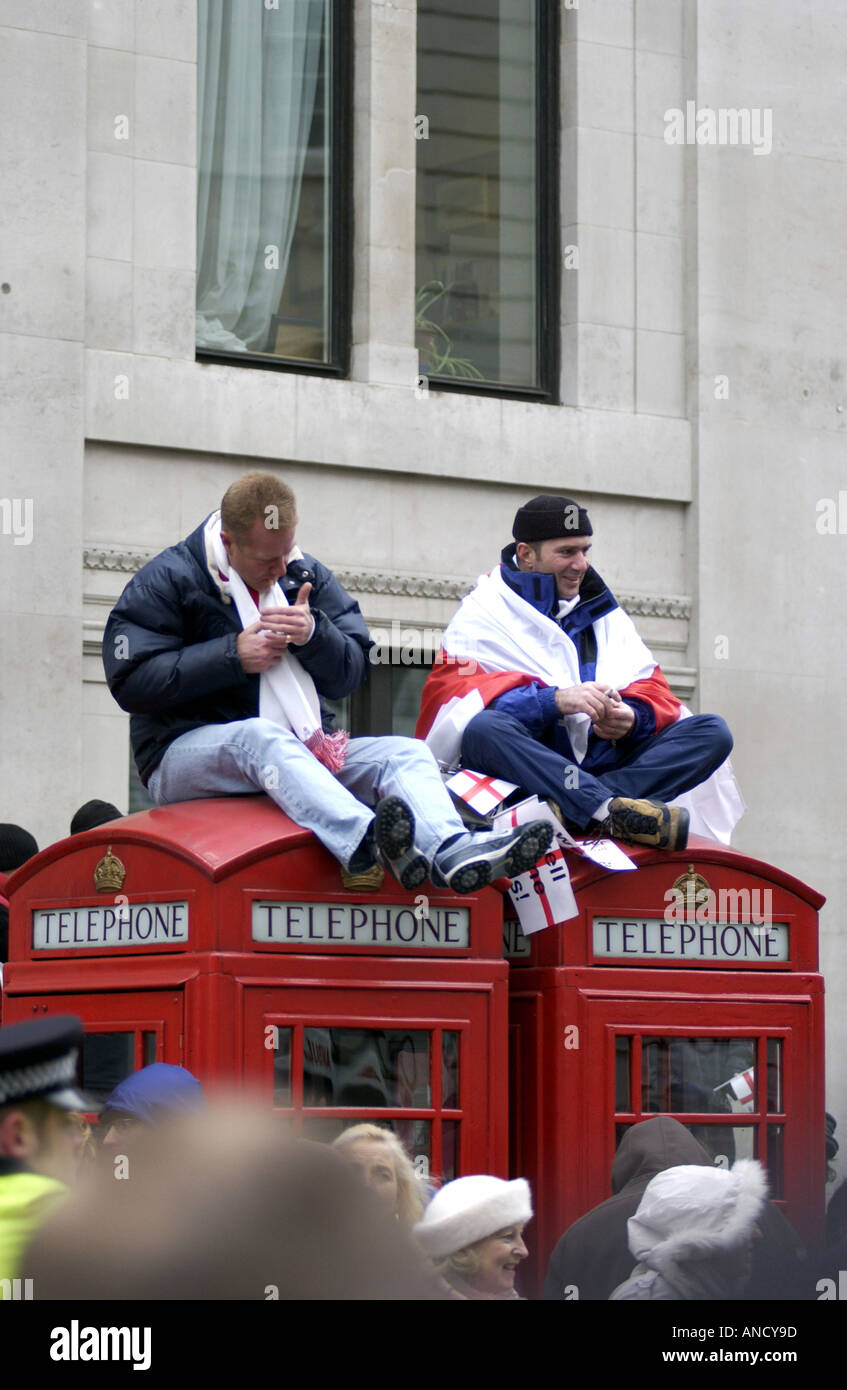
{"points": [[224, 649]]}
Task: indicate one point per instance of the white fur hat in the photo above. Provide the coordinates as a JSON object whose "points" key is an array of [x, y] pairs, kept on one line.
{"points": [[695, 1213], [469, 1209]]}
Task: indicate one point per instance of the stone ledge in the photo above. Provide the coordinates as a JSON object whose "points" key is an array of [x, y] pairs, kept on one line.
{"points": [[394, 582]]}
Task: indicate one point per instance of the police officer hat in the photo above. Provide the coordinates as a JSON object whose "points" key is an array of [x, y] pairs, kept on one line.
{"points": [[38, 1062]]}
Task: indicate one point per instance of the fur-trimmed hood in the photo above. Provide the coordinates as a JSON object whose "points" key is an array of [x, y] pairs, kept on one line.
{"points": [[690, 1213], [688, 1220]]}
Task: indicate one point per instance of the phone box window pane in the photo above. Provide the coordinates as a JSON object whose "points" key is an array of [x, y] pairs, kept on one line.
{"points": [[686, 1075], [776, 1135], [416, 1138], [623, 1055], [775, 1101], [450, 1071], [105, 1060], [725, 1143], [449, 1150], [282, 1067], [366, 1067], [148, 1049]]}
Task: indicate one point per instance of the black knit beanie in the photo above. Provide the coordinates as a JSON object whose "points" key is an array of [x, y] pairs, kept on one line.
{"points": [[546, 518], [16, 847], [94, 813]]}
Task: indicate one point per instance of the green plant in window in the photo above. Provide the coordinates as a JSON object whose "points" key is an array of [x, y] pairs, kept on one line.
{"points": [[435, 345]]}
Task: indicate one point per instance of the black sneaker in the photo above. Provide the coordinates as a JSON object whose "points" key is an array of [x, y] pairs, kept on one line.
{"points": [[394, 837], [646, 822], [469, 862]]}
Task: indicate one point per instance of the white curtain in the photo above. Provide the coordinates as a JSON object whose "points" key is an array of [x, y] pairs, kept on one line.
{"points": [[258, 75]]}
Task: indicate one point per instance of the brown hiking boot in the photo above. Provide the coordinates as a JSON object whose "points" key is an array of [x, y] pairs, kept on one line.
{"points": [[646, 823]]}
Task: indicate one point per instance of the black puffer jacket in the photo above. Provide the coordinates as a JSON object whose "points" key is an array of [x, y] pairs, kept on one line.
{"points": [[170, 653]]}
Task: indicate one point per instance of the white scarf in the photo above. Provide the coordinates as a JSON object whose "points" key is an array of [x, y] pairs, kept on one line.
{"points": [[287, 693]]}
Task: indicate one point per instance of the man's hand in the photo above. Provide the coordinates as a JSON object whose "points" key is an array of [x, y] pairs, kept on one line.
{"points": [[262, 644], [611, 717], [589, 698], [617, 720]]}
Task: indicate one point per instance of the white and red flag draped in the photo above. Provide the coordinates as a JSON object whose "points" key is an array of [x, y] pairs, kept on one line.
{"points": [[497, 641]]}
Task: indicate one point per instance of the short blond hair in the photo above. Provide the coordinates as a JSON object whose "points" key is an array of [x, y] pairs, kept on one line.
{"points": [[410, 1195], [257, 497]]}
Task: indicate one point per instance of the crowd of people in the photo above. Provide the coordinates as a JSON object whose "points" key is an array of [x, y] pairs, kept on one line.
{"points": [[171, 1195]]}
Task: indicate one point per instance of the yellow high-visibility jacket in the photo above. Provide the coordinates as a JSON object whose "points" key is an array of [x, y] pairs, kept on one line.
{"points": [[26, 1200]]}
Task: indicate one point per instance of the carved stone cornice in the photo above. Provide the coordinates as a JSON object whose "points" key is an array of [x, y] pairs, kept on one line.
{"points": [[655, 605], [431, 586], [403, 585], [399, 585], [109, 557]]}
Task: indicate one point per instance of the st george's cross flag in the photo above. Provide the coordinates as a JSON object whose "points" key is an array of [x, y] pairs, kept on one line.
{"points": [[480, 792]]}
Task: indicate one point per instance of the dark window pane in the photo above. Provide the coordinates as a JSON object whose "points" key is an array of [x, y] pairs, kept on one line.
{"points": [[263, 179], [450, 1070], [684, 1075], [366, 1067], [148, 1049], [775, 1101], [477, 193], [105, 1060], [341, 712], [724, 1143], [775, 1160], [623, 1054], [449, 1150], [407, 684], [416, 1138], [139, 798], [282, 1067]]}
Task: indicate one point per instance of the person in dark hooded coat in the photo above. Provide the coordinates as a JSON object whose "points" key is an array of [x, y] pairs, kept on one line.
{"points": [[593, 1255]]}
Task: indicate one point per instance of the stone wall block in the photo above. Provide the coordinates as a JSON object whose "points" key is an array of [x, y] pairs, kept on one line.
{"points": [[660, 373], [165, 111], [108, 318], [164, 216], [110, 193]]}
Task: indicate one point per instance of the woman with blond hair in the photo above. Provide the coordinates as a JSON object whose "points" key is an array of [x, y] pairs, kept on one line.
{"points": [[385, 1168]]}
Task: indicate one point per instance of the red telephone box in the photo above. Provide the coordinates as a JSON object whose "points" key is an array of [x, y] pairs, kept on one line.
{"points": [[695, 971], [219, 935]]}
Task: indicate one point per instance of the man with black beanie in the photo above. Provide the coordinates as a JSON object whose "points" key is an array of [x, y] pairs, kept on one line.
{"points": [[543, 680]]}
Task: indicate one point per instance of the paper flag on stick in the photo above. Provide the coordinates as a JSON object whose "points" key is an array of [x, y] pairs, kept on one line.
{"points": [[543, 895]]}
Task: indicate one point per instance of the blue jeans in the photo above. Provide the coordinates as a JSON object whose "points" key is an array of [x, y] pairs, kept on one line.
{"points": [[661, 765], [257, 755]]}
